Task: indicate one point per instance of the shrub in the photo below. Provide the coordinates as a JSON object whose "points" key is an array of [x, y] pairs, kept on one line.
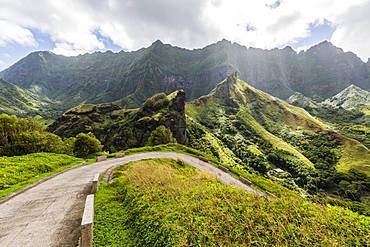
{"points": [[86, 144], [161, 135], [156, 102]]}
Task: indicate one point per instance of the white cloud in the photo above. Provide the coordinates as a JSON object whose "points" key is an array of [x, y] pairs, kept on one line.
{"points": [[7, 55], [352, 31], [76, 25], [12, 33]]}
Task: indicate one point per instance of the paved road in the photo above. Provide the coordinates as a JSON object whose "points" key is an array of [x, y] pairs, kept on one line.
{"points": [[50, 213]]}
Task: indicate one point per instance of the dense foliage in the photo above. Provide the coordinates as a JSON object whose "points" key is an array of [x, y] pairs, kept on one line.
{"points": [[167, 203], [352, 123], [85, 144], [161, 135], [20, 136], [336, 115], [119, 129]]}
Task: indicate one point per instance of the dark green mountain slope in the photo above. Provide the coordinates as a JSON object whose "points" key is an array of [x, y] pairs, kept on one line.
{"points": [[108, 77], [129, 78], [17, 101]]}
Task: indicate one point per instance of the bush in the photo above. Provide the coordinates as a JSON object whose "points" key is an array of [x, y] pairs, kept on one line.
{"points": [[156, 102], [20, 136], [161, 135], [86, 144]]}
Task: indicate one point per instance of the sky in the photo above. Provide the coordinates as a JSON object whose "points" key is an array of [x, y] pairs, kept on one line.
{"points": [[73, 27]]}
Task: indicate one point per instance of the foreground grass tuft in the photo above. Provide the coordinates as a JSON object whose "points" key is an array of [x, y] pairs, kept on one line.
{"points": [[166, 203]]}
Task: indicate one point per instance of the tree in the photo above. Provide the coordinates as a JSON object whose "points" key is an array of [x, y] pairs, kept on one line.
{"points": [[161, 135], [86, 144], [53, 144], [350, 190], [69, 145]]}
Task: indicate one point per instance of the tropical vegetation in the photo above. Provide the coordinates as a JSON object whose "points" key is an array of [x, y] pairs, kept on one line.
{"points": [[20, 136]]}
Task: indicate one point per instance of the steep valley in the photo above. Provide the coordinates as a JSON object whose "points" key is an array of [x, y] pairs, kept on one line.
{"points": [[237, 125]]}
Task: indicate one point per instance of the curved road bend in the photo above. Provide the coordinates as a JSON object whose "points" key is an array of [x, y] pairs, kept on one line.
{"points": [[50, 213]]}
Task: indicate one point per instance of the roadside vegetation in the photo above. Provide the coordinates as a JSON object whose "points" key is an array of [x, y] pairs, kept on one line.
{"points": [[29, 153], [19, 171], [20, 136], [165, 202]]}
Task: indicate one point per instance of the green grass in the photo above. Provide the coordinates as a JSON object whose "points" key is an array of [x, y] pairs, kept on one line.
{"points": [[44, 122], [242, 94], [20, 171], [166, 203], [258, 181], [354, 155], [170, 147]]}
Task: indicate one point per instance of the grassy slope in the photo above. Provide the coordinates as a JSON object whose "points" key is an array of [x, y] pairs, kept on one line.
{"points": [[243, 94], [167, 203], [354, 155], [257, 181], [286, 113], [193, 111], [276, 112], [20, 171], [14, 100]]}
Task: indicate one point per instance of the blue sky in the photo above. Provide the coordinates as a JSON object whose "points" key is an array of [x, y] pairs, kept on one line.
{"points": [[72, 27]]}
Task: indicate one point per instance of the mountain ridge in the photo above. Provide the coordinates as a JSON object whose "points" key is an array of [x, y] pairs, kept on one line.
{"points": [[129, 78]]}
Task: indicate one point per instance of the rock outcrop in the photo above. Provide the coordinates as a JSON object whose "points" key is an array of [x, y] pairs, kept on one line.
{"points": [[119, 128], [349, 98]]}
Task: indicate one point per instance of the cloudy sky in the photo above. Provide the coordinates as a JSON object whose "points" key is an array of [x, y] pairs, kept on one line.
{"points": [[72, 27]]}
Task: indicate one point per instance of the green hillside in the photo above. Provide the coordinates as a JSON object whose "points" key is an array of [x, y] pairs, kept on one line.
{"points": [[242, 127], [17, 101], [168, 203], [19, 171]]}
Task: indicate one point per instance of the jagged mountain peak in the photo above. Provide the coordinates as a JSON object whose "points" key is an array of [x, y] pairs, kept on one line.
{"points": [[324, 44], [353, 87], [298, 99], [349, 98], [157, 42]]}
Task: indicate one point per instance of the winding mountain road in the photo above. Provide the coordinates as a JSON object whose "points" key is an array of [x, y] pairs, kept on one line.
{"points": [[50, 213]]}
